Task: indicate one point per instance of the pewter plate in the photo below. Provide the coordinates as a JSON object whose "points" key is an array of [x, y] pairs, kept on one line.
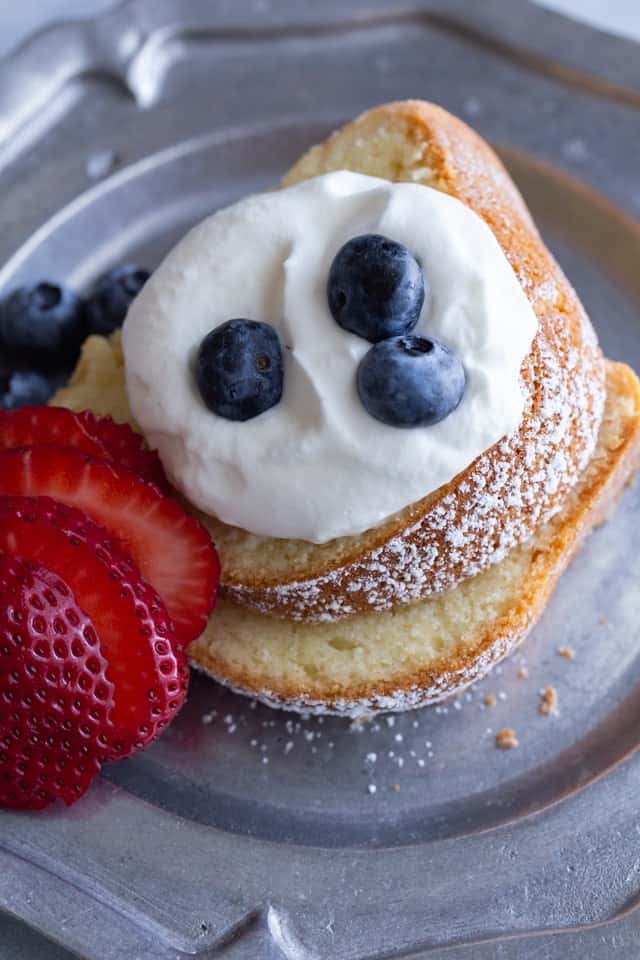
{"points": [[252, 833]]}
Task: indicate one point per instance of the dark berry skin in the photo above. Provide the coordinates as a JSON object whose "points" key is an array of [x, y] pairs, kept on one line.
{"points": [[111, 297], [410, 381], [42, 325], [239, 369], [25, 388], [375, 288]]}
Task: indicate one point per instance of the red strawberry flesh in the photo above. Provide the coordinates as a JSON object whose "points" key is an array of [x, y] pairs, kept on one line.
{"points": [[170, 547], [126, 447], [56, 697], [99, 437], [136, 635]]}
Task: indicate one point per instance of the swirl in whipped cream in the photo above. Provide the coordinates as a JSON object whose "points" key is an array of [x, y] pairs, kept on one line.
{"points": [[317, 465]]}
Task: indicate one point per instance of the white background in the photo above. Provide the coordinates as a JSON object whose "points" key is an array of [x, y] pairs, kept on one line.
{"points": [[20, 17]]}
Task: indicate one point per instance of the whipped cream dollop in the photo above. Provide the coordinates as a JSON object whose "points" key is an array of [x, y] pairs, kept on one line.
{"points": [[317, 466]]}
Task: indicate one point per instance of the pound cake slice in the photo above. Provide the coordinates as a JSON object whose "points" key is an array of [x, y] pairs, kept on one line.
{"points": [[507, 492], [514, 486], [424, 652]]}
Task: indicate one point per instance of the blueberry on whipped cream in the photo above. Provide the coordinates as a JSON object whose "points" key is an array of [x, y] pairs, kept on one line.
{"points": [[410, 381], [375, 288], [239, 369]]}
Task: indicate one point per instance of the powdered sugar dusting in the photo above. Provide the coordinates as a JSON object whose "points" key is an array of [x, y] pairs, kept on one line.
{"points": [[511, 490], [521, 482]]}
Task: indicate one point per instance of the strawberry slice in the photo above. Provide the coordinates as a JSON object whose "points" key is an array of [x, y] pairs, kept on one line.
{"points": [[148, 670], [125, 447], [172, 549], [56, 696], [99, 437]]}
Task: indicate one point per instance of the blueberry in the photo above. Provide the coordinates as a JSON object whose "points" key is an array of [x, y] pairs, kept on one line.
{"points": [[410, 381], [25, 388], [375, 288], [43, 324], [108, 304], [239, 369]]}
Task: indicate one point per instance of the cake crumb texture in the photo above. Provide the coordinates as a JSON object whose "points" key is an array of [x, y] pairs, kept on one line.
{"points": [[506, 739], [548, 702]]}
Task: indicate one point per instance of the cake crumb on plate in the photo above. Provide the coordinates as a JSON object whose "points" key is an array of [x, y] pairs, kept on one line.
{"points": [[548, 701], [567, 652], [506, 739]]}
